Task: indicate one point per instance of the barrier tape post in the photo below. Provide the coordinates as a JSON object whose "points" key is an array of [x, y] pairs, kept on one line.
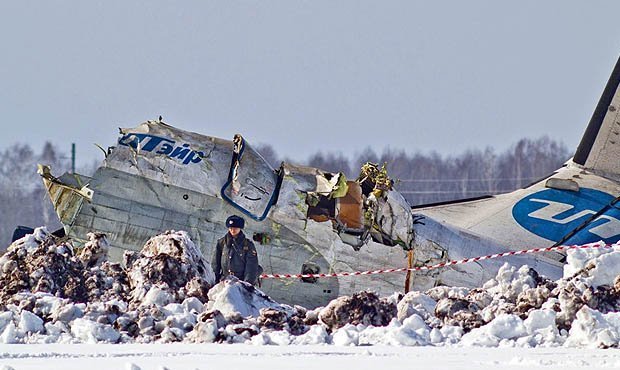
{"points": [[409, 267], [439, 265]]}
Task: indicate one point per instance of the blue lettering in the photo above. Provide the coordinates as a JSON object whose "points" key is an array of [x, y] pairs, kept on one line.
{"points": [[161, 145], [180, 152], [193, 157], [153, 142], [166, 148], [131, 140]]}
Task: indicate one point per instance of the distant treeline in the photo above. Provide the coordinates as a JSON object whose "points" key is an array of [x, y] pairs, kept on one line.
{"points": [[422, 178], [429, 178]]}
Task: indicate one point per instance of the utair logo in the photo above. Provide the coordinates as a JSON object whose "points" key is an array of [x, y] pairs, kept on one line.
{"points": [[161, 145], [552, 214]]}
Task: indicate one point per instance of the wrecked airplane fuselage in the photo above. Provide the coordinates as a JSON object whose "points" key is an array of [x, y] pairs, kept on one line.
{"points": [[303, 220]]}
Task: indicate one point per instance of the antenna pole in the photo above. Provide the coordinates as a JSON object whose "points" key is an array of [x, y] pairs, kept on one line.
{"points": [[72, 157]]}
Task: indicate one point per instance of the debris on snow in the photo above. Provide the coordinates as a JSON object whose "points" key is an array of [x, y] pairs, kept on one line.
{"points": [[362, 308], [52, 293], [35, 263], [95, 251]]}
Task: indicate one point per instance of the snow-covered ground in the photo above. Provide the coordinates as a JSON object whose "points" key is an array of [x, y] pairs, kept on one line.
{"points": [[176, 356], [67, 308]]}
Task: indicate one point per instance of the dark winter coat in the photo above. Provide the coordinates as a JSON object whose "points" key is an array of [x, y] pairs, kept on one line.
{"points": [[235, 256]]}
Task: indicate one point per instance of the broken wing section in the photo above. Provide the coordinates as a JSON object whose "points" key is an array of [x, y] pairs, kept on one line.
{"points": [[67, 193], [252, 185]]}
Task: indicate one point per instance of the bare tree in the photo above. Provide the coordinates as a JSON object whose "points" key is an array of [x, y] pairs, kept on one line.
{"points": [[270, 155], [23, 199], [331, 162]]}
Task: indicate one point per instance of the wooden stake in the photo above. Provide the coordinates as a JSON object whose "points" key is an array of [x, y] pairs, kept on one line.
{"points": [[409, 266]]}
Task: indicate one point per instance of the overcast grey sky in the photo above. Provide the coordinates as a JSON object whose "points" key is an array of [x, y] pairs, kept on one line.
{"points": [[306, 75]]}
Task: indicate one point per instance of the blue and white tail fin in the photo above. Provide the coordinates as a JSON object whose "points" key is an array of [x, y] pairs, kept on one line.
{"points": [[599, 149]]}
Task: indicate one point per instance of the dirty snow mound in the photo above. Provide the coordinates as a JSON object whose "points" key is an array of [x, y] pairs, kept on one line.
{"points": [[169, 268], [362, 308], [36, 264], [53, 293], [233, 296]]}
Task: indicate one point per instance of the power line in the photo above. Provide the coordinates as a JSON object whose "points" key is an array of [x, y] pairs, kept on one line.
{"points": [[480, 179], [455, 192]]}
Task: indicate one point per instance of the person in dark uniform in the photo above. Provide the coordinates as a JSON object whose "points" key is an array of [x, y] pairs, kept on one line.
{"points": [[235, 254]]}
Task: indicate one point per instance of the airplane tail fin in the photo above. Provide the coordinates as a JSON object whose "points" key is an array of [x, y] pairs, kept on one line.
{"points": [[599, 149]]}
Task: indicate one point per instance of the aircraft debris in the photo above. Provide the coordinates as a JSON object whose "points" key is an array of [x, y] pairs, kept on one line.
{"points": [[158, 178]]}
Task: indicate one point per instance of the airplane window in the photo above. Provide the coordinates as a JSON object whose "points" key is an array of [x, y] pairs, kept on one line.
{"points": [[252, 185]]}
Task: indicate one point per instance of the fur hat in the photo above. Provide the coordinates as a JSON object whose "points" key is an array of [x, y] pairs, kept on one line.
{"points": [[235, 221]]}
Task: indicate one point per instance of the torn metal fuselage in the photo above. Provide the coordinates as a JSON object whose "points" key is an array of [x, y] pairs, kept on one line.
{"points": [[67, 193], [302, 219], [305, 220]]}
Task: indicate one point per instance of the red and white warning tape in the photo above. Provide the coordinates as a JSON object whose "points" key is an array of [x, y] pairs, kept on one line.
{"points": [[439, 265]]}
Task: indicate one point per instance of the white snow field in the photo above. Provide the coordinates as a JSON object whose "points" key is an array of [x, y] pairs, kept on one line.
{"points": [[62, 308], [174, 356]]}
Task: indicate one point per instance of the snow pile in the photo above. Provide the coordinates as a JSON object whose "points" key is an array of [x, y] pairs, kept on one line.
{"points": [[518, 308], [234, 296], [594, 266], [34, 262], [169, 268], [50, 293], [363, 308]]}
